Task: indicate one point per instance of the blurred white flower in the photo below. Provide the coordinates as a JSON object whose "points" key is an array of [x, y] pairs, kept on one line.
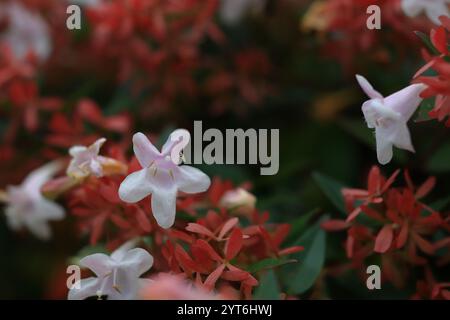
{"points": [[26, 31], [27, 207], [86, 160], [117, 275], [389, 117], [432, 8], [239, 201]]}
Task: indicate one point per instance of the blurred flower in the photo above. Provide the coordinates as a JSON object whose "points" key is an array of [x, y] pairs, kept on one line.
{"points": [[160, 177], [389, 117], [86, 161], [27, 207], [117, 275], [174, 287], [238, 201], [233, 11], [26, 31], [432, 8]]}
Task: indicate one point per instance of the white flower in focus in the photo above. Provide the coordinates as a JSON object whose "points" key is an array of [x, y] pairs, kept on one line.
{"points": [[27, 207], [117, 275], [432, 8], [389, 117], [161, 177], [26, 31]]}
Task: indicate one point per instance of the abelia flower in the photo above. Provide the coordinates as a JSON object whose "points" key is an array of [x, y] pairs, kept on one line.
{"points": [[86, 161], [26, 31], [27, 207], [389, 117], [167, 286], [432, 8], [117, 275], [161, 177], [239, 201]]}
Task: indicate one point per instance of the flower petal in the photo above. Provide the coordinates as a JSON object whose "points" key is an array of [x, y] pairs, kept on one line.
{"points": [[99, 263], [144, 150], [88, 288], [192, 180], [137, 259], [135, 187], [367, 88], [384, 146], [164, 206], [384, 239], [406, 100]]}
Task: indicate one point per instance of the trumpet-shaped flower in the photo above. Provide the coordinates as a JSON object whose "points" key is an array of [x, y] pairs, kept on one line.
{"points": [[432, 8], [26, 207], [161, 177], [117, 275], [86, 161], [389, 117]]}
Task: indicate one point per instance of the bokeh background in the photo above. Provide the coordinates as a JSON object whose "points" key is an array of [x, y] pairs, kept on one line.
{"points": [[153, 66]]}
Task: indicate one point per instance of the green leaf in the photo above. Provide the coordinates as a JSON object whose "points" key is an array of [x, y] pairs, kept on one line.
{"points": [[427, 42], [302, 276], [268, 288], [440, 161], [440, 204], [332, 189], [268, 263], [299, 225]]}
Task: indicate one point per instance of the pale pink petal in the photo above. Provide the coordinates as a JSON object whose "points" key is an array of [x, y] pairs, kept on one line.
{"points": [[135, 187], [367, 88], [144, 150], [192, 180], [164, 206], [99, 263]]}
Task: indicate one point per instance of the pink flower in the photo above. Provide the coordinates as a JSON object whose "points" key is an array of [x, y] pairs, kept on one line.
{"points": [[118, 275], [161, 177], [389, 117], [26, 207]]}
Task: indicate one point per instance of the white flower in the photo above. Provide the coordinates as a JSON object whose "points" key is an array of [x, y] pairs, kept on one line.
{"points": [[432, 8], [86, 161], [26, 31], [161, 177], [117, 276], [26, 207], [232, 11], [389, 117]]}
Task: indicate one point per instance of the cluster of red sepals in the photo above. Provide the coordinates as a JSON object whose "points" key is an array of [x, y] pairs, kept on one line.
{"points": [[439, 84], [394, 223], [213, 249], [154, 48], [349, 40]]}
